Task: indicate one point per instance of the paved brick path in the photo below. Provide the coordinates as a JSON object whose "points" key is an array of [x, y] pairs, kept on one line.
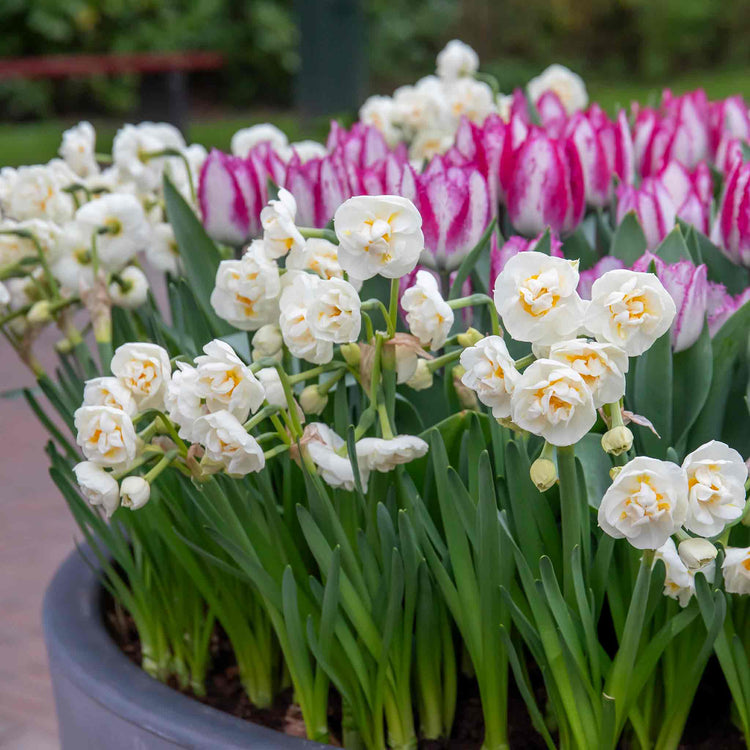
{"points": [[36, 533]]}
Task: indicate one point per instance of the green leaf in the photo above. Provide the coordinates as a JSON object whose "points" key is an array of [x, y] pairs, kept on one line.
{"points": [[720, 268], [629, 242], [470, 261], [199, 254], [692, 374], [673, 248], [652, 396], [597, 464], [576, 247]]}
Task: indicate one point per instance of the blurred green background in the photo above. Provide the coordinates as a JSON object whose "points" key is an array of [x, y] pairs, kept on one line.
{"points": [[625, 49]]}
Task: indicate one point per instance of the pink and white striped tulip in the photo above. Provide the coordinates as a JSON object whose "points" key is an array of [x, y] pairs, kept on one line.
{"points": [[729, 118], [546, 186], [731, 230], [652, 205], [552, 113], [687, 285], [691, 193], [587, 278]]}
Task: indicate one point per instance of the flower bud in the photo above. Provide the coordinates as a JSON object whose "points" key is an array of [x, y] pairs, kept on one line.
{"points": [[614, 471], [134, 492], [39, 313], [64, 346], [312, 400], [351, 354], [267, 341], [617, 441], [696, 552], [543, 474], [466, 397], [422, 378], [470, 337]]}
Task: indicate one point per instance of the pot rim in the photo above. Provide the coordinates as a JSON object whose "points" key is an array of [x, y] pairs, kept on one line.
{"points": [[83, 651]]}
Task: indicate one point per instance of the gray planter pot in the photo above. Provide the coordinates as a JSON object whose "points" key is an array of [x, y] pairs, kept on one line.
{"points": [[104, 702]]}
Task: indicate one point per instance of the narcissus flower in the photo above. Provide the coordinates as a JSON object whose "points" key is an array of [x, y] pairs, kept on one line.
{"points": [[98, 486], [247, 138], [569, 87], [109, 391], [145, 370], [602, 366], [323, 446], [378, 235], [280, 234], [646, 503], [536, 297], [135, 492], [429, 316], [378, 454], [296, 322], [134, 146], [106, 435], [551, 399], [491, 373], [334, 311], [716, 480], [736, 570], [679, 581], [267, 341], [317, 255], [78, 147], [629, 309], [228, 444], [225, 382], [247, 290], [130, 289], [457, 60]]}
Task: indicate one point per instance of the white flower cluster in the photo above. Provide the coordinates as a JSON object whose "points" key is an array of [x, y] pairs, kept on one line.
{"points": [[91, 223], [246, 138], [427, 114]]}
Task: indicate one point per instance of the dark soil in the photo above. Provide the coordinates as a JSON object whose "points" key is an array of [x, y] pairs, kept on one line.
{"points": [[708, 728]]}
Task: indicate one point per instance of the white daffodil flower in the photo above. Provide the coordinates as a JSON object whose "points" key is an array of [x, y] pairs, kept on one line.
{"points": [[78, 149], [490, 373], [227, 443], [379, 454], [736, 570], [334, 311], [297, 298], [569, 87], [429, 316], [135, 492], [646, 503], [131, 290], [98, 486], [679, 582], [109, 391], [456, 60], [106, 435], [280, 233], [145, 370]]}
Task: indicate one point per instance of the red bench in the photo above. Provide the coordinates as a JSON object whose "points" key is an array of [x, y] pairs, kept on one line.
{"points": [[169, 100]]}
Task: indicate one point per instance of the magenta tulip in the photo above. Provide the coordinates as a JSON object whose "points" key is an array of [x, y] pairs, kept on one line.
{"points": [[546, 186], [587, 278], [499, 256], [652, 205], [691, 193], [729, 118], [731, 230]]}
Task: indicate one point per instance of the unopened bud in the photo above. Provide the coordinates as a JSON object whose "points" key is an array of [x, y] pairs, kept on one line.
{"points": [[422, 378], [696, 552], [351, 354], [466, 396], [134, 492], [470, 337], [617, 441], [267, 341], [543, 474], [64, 346], [39, 313], [614, 471], [312, 401]]}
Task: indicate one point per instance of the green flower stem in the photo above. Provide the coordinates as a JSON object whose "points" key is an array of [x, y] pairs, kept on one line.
{"points": [[280, 431], [291, 403], [15, 314], [174, 152], [385, 422], [277, 451], [262, 414], [376, 304], [153, 474], [300, 377], [393, 308], [570, 510], [16, 269], [324, 388], [524, 361], [445, 359], [615, 414], [376, 367], [479, 299], [322, 234], [365, 422]]}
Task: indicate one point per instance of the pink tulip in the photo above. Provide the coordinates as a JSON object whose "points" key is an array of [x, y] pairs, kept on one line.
{"points": [[230, 197], [691, 193], [587, 278], [679, 132], [552, 114], [455, 206], [546, 186], [499, 256], [729, 118], [722, 305], [728, 153], [319, 186], [687, 284], [605, 149], [731, 230], [652, 205]]}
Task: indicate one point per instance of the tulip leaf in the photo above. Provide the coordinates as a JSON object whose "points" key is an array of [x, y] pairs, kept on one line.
{"points": [[199, 254], [468, 263], [545, 243], [590, 453], [692, 374], [576, 247], [727, 344], [652, 396], [629, 242], [674, 248], [720, 268]]}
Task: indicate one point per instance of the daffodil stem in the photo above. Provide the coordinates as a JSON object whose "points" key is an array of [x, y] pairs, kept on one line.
{"points": [[179, 155], [475, 300], [385, 422], [51, 280], [291, 403], [445, 359], [376, 304], [276, 451], [313, 372], [264, 413], [524, 361], [570, 511], [161, 466], [393, 308], [323, 234], [324, 388]]}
